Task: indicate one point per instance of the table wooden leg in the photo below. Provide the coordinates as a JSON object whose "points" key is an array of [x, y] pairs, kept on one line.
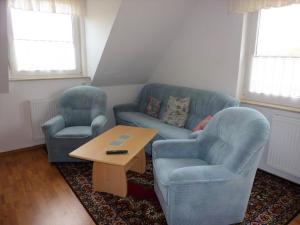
{"points": [[110, 178], [139, 163]]}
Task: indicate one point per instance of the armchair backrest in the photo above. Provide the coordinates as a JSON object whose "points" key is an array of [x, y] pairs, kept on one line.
{"points": [[235, 138], [81, 104]]}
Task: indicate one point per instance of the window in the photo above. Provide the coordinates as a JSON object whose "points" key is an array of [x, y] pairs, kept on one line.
{"points": [[44, 44], [272, 72]]}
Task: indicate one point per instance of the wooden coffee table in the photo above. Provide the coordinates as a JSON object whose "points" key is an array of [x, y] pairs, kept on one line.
{"points": [[109, 171]]}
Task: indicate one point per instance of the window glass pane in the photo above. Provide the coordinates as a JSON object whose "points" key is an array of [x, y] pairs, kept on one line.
{"points": [[279, 33], [43, 41]]}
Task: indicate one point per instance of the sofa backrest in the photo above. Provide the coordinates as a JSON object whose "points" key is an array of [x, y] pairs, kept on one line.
{"points": [[235, 138], [81, 104], [203, 102]]}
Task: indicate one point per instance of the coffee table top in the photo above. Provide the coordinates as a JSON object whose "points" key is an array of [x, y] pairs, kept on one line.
{"points": [[133, 139]]}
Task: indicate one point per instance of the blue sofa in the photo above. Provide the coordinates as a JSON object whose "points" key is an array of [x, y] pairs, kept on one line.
{"points": [[203, 103], [208, 180], [81, 117]]}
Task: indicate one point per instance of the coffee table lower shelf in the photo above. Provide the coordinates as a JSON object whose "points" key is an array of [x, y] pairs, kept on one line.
{"points": [[112, 178]]}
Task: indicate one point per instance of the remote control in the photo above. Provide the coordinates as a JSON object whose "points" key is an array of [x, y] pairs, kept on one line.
{"points": [[115, 152]]}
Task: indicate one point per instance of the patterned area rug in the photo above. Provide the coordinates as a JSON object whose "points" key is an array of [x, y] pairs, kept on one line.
{"points": [[273, 201]]}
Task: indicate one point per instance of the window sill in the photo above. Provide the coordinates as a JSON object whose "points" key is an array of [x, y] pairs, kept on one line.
{"points": [[47, 78], [273, 106]]}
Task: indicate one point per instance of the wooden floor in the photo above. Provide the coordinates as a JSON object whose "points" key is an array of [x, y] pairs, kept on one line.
{"points": [[296, 221], [32, 192]]}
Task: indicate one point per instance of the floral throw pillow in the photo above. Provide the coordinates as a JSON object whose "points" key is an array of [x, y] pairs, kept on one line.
{"points": [[177, 111], [153, 107]]}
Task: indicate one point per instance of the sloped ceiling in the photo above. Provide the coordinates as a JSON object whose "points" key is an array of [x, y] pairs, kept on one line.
{"points": [[99, 20], [141, 33]]}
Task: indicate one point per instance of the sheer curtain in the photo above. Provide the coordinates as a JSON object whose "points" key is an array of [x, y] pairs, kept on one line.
{"points": [[246, 6], [70, 7], [275, 76]]}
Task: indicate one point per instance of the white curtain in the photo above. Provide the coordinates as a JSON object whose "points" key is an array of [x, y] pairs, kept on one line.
{"points": [[246, 6], [275, 76], [70, 7]]}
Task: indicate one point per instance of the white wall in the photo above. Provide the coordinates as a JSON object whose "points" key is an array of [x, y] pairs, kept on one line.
{"points": [[100, 17], [3, 50], [15, 124], [141, 32], [205, 53]]}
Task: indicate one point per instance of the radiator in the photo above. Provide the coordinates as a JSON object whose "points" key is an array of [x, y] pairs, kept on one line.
{"points": [[284, 146], [41, 110]]}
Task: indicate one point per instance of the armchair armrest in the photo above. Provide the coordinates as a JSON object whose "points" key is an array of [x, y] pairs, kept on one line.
{"points": [[98, 125], [195, 134], [52, 126], [175, 148], [202, 174], [129, 107]]}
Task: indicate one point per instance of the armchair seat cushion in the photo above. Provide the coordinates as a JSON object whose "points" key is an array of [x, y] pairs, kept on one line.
{"points": [[74, 132], [165, 131], [164, 166]]}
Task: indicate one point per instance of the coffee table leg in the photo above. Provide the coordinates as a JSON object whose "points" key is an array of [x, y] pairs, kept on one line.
{"points": [[110, 178], [139, 164]]}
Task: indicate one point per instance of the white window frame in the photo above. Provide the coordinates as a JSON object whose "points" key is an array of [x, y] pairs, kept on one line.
{"points": [[80, 56], [251, 27]]}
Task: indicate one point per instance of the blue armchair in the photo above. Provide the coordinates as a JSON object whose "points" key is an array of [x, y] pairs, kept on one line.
{"points": [[81, 117], [208, 180]]}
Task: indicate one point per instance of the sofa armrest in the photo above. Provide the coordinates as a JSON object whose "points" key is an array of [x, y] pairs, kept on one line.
{"points": [[52, 126], [129, 107], [175, 148], [98, 125], [202, 174]]}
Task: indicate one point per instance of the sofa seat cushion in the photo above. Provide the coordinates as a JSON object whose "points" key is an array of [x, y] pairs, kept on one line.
{"points": [[166, 131], [164, 166], [74, 132]]}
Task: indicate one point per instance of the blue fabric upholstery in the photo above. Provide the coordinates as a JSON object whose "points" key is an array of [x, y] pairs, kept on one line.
{"points": [[81, 117], [167, 165], [208, 180], [203, 103], [74, 132], [166, 131]]}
